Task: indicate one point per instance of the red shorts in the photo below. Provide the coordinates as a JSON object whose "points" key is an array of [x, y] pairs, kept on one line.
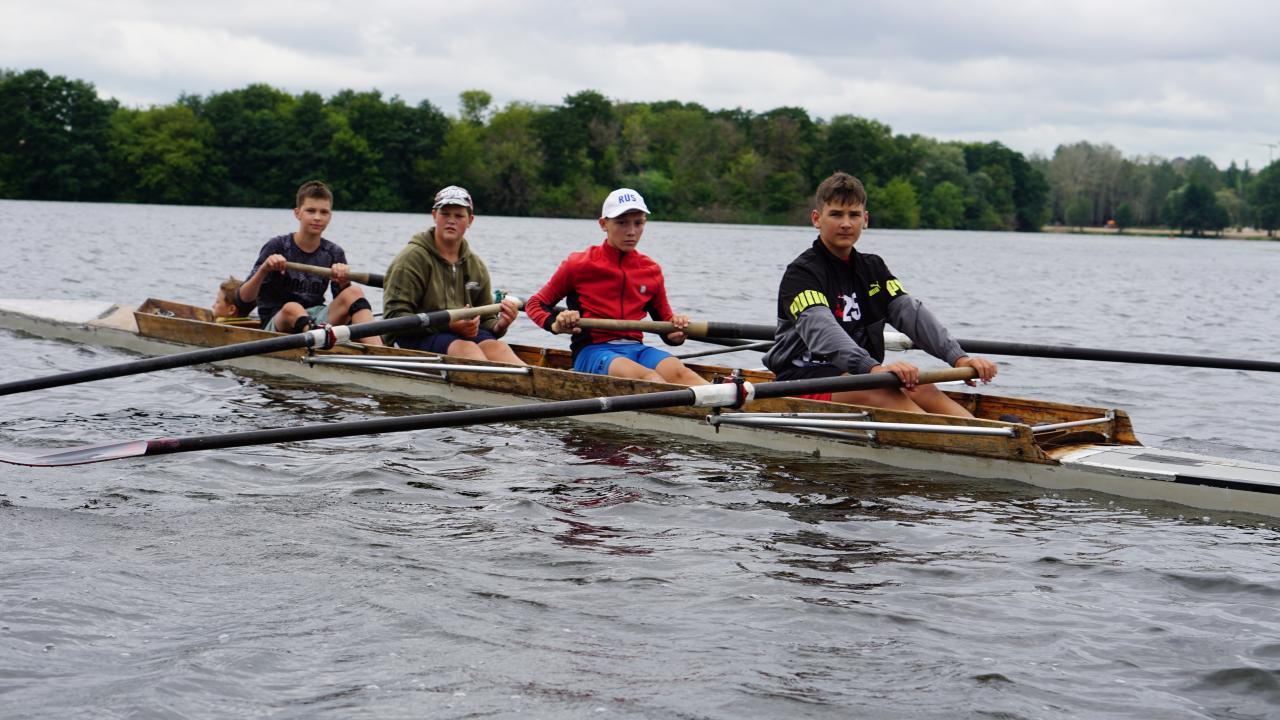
{"points": [[816, 396]]}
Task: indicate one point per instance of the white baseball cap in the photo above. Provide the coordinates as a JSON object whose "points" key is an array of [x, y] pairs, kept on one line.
{"points": [[622, 200], [453, 195]]}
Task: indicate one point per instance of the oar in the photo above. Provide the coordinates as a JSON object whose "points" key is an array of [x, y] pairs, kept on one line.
{"points": [[722, 395], [1066, 352], [898, 341], [697, 328], [321, 338], [364, 278]]}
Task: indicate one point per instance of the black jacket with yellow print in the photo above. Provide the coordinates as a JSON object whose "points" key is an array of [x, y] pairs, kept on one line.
{"points": [[833, 312]]}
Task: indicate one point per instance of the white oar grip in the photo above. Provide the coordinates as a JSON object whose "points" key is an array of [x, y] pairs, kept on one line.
{"points": [[727, 394]]}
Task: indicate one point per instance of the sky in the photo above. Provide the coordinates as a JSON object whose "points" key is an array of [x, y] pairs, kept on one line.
{"points": [[1171, 79]]}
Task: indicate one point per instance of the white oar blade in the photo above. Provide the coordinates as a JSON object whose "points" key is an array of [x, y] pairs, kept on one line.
{"points": [[79, 455]]}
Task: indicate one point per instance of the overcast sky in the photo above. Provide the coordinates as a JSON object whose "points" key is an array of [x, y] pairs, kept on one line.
{"points": [[1167, 78]]}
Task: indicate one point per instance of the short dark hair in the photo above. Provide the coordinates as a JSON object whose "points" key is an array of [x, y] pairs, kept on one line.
{"points": [[841, 187], [313, 189], [228, 289]]}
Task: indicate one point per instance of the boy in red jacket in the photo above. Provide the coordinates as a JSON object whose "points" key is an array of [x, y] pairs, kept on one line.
{"points": [[614, 281]]}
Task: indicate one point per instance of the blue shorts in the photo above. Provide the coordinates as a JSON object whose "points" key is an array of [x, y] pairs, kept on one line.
{"points": [[597, 358], [439, 342], [319, 315]]}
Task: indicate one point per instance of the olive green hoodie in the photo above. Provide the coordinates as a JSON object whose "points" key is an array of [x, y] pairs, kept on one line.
{"points": [[421, 280]]}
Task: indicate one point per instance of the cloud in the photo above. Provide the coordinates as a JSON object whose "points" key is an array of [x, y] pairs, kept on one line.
{"points": [[1170, 78]]}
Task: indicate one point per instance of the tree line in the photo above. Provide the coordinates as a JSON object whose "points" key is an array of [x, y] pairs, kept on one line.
{"points": [[1093, 185], [253, 146]]}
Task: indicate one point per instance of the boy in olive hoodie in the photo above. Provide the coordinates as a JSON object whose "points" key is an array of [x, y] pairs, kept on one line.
{"points": [[438, 271]]}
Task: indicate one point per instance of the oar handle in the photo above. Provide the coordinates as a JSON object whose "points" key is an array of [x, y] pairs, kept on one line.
{"points": [[364, 278], [696, 328]]}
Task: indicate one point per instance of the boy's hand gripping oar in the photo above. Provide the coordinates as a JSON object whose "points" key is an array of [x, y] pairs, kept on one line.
{"points": [[320, 339], [728, 394]]}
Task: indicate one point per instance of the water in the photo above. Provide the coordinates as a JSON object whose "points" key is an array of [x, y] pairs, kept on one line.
{"points": [[563, 570]]}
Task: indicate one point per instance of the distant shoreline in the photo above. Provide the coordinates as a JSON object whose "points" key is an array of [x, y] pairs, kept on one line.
{"points": [[1228, 234]]}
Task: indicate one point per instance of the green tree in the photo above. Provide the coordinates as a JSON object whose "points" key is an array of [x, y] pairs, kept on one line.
{"points": [[1193, 208], [656, 188], [253, 140], [398, 135], [1124, 216], [1014, 194], [164, 155], [860, 147], [353, 171], [576, 139], [1079, 212], [310, 126], [1235, 206], [1203, 172], [943, 207], [895, 205], [942, 162], [54, 138], [1264, 196], [474, 106], [460, 162], [514, 162], [744, 180]]}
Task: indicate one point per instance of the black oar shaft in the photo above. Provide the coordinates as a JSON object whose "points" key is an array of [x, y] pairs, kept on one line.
{"points": [[312, 339], [538, 411], [726, 333], [1064, 352]]}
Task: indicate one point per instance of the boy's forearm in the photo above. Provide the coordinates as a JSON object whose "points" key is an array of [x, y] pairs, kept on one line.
{"points": [[248, 292]]}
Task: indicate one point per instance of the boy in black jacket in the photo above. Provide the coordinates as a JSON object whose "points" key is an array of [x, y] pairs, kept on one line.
{"points": [[833, 303]]}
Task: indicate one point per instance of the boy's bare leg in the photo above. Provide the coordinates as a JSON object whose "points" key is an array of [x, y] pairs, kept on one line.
{"points": [[288, 317], [465, 349], [339, 313], [933, 400], [499, 351], [922, 399], [674, 371], [632, 370], [887, 398]]}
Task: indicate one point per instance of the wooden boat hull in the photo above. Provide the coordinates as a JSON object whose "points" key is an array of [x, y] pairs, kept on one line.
{"points": [[1103, 457]]}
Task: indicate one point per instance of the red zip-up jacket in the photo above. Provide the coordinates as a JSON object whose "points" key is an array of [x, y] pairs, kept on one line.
{"points": [[603, 282]]}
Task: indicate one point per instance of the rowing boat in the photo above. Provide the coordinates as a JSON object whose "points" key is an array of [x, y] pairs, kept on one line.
{"points": [[1056, 446]]}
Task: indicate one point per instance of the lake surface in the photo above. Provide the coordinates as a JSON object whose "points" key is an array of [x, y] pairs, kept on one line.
{"points": [[561, 569]]}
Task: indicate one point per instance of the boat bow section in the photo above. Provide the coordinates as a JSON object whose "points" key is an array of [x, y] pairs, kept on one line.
{"points": [[74, 320], [1192, 479]]}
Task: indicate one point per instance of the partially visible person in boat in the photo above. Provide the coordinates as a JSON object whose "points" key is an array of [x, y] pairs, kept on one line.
{"points": [[833, 303], [438, 271], [292, 301], [226, 306], [613, 280]]}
